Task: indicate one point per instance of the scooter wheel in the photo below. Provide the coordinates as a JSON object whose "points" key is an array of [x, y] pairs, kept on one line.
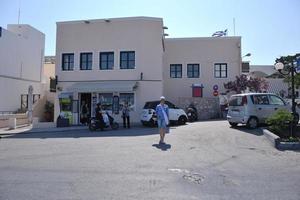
{"points": [[115, 126], [92, 128]]}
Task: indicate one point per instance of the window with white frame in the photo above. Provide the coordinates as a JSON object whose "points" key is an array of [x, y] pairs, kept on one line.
{"points": [[193, 71], [220, 70]]}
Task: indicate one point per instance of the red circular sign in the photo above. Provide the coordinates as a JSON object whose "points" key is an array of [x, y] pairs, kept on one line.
{"points": [[215, 93]]}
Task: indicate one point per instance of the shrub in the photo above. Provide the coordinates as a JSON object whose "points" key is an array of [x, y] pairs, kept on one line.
{"points": [[280, 122]]}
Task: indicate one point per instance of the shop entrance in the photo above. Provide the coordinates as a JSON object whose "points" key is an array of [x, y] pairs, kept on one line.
{"points": [[85, 108]]}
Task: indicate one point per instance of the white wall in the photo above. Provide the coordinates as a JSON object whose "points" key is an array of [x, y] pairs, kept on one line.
{"points": [[140, 34], [203, 51], [21, 64]]}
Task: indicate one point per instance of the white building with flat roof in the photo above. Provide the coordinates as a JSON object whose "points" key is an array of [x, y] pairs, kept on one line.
{"points": [[21, 65], [131, 60]]}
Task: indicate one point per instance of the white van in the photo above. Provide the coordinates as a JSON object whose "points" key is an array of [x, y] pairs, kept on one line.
{"points": [[148, 116], [254, 108]]}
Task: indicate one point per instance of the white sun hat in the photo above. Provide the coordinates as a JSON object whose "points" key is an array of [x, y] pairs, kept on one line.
{"points": [[162, 98]]}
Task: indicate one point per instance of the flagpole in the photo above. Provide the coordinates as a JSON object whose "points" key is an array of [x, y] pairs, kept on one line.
{"points": [[19, 12], [233, 26]]}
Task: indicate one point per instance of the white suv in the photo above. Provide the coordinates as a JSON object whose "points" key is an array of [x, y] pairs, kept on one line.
{"points": [[176, 114], [254, 108]]}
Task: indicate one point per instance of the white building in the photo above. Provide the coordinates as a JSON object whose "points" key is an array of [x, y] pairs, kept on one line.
{"points": [[21, 65], [129, 58]]}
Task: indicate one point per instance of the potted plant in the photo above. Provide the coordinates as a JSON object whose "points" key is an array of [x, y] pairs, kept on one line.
{"points": [[49, 111]]}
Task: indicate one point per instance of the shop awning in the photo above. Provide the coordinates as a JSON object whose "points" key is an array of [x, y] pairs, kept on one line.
{"points": [[105, 86]]}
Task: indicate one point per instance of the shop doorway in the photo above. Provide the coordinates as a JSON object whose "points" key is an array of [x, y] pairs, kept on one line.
{"points": [[85, 108]]}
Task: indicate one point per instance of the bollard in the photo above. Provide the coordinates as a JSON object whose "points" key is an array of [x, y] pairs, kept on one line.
{"points": [[12, 123]]}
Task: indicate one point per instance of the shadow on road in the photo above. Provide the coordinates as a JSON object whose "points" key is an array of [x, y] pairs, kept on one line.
{"points": [[163, 147], [86, 133], [257, 131]]}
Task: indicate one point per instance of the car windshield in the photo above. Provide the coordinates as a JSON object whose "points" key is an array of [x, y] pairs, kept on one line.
{"points": [[151, 105]]}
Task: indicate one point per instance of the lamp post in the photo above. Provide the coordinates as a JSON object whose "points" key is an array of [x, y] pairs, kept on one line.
{"points": [[247, 55], [285, 66]]}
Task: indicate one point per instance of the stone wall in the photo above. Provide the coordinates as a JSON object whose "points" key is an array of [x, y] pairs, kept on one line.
{"points": [[207, 107]]}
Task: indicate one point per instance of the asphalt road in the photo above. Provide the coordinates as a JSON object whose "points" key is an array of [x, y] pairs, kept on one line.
{"points": [[203, 160]]}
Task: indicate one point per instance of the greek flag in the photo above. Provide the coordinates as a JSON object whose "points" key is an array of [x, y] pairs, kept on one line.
{"points": [[220, 33]]}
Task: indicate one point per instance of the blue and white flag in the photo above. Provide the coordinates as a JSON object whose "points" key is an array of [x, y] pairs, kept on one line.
{"points": [[220, 33]]}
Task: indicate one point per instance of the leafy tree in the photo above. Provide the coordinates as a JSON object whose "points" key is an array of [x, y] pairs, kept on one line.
{"points": [[242, 82], [287, 60]]}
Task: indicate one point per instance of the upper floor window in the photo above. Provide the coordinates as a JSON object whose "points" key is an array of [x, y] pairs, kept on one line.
{"points": [[106, 60], [176, 70], [221, 70], [127, 60], [86, 61], [67, 61], [193, 71]]}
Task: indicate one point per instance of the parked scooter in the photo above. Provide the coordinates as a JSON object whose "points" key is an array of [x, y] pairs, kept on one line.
{"points": [[192, 113], [108, 122]]}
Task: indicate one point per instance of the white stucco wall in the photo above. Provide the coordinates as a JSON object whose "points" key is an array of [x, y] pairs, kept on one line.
{"points": [[140, 34], [21, 64], [203, 51]]}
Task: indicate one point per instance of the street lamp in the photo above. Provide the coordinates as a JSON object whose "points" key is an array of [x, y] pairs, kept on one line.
{"points": [[285, 69], [247, 55]]}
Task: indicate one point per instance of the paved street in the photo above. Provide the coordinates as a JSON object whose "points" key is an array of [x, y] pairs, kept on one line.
{"points": [[203, 160]]}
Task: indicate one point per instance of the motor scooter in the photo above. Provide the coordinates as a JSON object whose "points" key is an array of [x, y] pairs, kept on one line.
{"points": [[108, 122]]}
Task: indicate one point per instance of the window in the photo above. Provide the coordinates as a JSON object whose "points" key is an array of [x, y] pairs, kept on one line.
{"points": [[274, 100], [193, 71], [24, 101], [175, 70], [36, 97], [170, 105], [106, 99], [221, 70], [106, 60], [260, 99], [67, 61], [127, 60], [127, 98], [86, 61]]}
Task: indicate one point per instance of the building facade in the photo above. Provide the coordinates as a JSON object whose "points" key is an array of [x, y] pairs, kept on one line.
{"points": [[21, 65], [130, 60]]}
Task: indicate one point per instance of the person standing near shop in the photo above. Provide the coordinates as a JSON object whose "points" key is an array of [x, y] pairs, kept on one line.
{"points": [[162, 112], [84, 113], [126, 115]]}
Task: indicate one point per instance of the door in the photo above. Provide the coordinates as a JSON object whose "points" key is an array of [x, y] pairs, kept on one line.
{"points": [[262, 106], [172, 111], [277, 103], [85, 108]]}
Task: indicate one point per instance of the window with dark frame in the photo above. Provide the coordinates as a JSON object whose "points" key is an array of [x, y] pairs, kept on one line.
{"points": [[176, 70], [127, 60], [106, 60], [68, 61], [24, 101], [220, 70], [193, 71], [86, 61]]}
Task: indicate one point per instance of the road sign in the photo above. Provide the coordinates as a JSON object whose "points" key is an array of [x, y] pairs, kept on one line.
{"points": [[216, 87], [215, 93]]}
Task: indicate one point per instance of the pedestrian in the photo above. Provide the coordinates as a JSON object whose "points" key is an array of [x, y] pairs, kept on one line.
{"points": [[84, 113], [99, 116], [162, 112], [126, 115], [223, 100]]}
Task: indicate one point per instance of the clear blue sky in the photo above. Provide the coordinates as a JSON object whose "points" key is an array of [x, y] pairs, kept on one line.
{"points": [[269, 28]]}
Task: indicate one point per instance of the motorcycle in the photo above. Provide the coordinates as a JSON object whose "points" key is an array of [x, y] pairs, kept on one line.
{"points": [[192, 113], [108, 122]]}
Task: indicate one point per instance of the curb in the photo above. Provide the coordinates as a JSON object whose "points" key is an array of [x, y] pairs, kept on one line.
{"points": [[275, 141]]}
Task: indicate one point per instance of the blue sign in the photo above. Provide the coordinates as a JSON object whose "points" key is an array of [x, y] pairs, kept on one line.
{"points": [[298, 64], [215, 87]]}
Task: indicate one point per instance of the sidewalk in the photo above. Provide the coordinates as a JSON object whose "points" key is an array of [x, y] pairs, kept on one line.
{"points": [[28, 129]]}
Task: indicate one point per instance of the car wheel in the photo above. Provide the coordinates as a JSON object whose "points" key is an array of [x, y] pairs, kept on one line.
{"points": [[182, 120], [152, 123], [233, 124], [252, 123]]}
